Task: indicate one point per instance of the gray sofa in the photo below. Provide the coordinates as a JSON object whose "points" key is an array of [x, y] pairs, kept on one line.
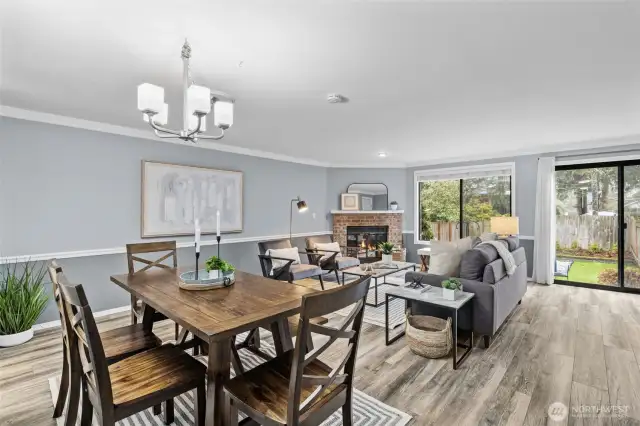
{"points": [[482, 272]]}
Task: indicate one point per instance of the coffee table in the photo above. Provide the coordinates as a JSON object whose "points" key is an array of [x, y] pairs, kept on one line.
{"points": [[377, 274], [433, 296]]}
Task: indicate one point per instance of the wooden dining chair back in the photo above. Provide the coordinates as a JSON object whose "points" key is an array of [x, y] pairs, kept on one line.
{"points": [[133, 255], [317, 305], [131, 385], [57, 277], [86, 339], [297, 388]]}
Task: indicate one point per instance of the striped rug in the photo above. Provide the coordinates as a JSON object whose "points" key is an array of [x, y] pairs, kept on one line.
{"points": [[367, 411]]}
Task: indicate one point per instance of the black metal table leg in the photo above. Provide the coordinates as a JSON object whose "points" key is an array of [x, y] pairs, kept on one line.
{"points": [[454, 331], [387, 327]]}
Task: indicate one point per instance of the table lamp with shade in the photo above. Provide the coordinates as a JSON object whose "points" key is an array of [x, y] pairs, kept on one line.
{"points": [[302, 207], [505, 226]]}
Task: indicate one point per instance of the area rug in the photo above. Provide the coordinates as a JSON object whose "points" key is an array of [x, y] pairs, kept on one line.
{"points": [[367, 411], [375, 315]]}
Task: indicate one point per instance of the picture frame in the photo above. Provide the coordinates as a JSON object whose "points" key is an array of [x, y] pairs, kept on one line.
{"points": [[350, 201], [174, 195]]}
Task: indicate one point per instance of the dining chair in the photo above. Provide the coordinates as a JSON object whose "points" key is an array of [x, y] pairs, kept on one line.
{"points": [[119, 343], [329, 260], [170, 250], [296, 388], [129, 386]]}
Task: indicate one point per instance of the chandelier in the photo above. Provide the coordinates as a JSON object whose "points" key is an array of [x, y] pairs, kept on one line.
{"points": [[197, 102]]}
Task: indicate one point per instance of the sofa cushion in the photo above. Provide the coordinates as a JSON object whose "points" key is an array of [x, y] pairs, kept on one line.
{"points": [[445, 256], [495, 271], [513, 242], [474, 261]]}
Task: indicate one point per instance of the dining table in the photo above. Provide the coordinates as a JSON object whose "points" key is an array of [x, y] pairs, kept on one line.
{"points": [[216, 316]]}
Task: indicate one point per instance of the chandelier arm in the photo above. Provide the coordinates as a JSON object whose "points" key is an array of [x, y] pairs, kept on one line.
{"points": [[166, 136], [190, 134], [215, 138], [161, 129]]}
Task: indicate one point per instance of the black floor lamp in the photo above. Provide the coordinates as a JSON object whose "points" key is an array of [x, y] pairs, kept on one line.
{"points": [[302, 207]]}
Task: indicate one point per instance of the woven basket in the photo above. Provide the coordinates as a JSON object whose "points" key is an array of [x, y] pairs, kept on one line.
{"points": [[429, 337]]}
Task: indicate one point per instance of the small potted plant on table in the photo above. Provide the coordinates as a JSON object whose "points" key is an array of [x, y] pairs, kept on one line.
{"points": [[450, 287], [22, 301], [387, 252], [218, 268]]}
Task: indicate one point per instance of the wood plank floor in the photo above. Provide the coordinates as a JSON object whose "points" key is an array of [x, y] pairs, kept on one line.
{"points": [[577, 346]]}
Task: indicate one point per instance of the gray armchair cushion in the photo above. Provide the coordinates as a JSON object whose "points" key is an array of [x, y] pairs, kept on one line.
{"points": [[263, 246], [347, 262], [302, 271]]}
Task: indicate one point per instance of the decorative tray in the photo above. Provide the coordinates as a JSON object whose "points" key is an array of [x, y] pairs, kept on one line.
{"points": [[206, 280]]}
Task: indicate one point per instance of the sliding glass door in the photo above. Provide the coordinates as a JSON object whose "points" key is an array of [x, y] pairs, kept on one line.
{"points": [[631, 206], [598, 225]]}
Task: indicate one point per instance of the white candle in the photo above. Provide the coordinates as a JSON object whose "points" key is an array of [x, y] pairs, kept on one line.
{"points": [[218, 223], [197, 236]]}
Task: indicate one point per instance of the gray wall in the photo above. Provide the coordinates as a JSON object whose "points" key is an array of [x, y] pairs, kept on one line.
{"points": [[338, 179], [73, 189], [65, 189]]}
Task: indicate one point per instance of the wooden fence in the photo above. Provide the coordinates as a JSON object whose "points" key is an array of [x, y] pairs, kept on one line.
{"points": [[450, 231], [587, 230]]}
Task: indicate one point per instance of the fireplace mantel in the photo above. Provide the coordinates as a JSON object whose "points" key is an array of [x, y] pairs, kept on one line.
{"points": [[367, 211]]}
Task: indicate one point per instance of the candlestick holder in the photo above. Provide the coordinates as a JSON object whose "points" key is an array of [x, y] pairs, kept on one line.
{"points": [[197, 259], [218, 238]]}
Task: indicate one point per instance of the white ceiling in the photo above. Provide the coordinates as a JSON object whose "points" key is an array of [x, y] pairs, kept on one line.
{"points": [[427, 81]]}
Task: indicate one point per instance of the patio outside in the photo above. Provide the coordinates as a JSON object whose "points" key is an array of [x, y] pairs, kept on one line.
{"points": [[587, 222]]}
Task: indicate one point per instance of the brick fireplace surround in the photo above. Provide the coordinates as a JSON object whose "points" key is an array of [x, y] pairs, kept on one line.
{"points": [[342, 219]]}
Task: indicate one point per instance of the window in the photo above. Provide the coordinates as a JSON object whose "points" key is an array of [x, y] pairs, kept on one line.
{"points": [[459, 202]]}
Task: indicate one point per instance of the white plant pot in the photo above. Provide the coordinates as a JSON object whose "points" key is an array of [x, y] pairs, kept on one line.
{"points": [[449, 294], [7, 340], [394, 207], [387, 258]]}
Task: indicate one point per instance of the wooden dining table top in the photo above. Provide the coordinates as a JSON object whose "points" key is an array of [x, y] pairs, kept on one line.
{"points": [[218, 313]]}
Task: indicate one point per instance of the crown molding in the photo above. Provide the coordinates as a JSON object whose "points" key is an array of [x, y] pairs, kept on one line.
{"points": [[96, 126], [565, 148]]}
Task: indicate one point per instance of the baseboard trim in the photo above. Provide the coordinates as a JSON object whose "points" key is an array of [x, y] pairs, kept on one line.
{"points": [[121, 250], [56, 323]]}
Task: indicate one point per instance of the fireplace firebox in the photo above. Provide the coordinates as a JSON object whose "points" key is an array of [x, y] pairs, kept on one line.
{"points": [[362, 242]]}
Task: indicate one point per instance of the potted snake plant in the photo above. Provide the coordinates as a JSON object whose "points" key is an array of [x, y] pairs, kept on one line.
{"points": [[387, 252], [22, 301]]}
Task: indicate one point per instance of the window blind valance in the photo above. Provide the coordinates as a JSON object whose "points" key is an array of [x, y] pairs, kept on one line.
{"points": [[455, 173]]}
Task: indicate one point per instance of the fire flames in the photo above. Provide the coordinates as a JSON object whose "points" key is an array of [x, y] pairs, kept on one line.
{"points": [[368, 247]]}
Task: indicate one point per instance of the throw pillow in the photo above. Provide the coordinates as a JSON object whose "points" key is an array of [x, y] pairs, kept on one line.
{"points": [[285, 253], [445, 256], [330, 247]]}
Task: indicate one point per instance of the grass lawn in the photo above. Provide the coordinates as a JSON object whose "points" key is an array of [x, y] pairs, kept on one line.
{"points": [[586, 271]]}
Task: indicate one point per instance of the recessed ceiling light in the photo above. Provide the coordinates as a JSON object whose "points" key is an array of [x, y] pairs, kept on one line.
{"points": [[382, 154]]}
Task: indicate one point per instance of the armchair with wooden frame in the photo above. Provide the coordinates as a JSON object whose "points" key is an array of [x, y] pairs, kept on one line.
{"points": [[297, 388], [328, 260], [288, 271]]}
